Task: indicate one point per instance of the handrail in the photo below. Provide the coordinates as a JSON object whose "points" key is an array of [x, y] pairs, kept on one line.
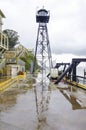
{"points": [[6, 84]]}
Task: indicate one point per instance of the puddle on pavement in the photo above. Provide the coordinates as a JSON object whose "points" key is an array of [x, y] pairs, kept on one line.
{"points": [[38, 104]]}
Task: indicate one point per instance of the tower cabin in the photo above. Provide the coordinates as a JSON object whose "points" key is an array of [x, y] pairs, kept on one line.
{"points": [[42, 16], [3, 37]]}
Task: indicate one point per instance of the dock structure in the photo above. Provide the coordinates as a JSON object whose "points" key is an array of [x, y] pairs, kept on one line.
{"points": [[58, 65], [70, 72], [61, 64], [84, 73]]}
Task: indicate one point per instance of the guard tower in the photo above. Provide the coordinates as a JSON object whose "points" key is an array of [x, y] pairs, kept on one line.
{"points": [[42, 50]]}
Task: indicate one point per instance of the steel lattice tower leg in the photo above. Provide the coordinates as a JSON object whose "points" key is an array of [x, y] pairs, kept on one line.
{"points": [[42, 50]]}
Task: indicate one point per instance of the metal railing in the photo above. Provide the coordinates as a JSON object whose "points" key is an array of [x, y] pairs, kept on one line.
{"points": [[3, 41], [79, 79]]}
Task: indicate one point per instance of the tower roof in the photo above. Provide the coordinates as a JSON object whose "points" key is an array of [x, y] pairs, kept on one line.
{"points": [[1, 13], [43, 10], [42, 16]]}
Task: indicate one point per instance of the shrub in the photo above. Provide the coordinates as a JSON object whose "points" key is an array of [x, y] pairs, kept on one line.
{"points": [[20, 73]]}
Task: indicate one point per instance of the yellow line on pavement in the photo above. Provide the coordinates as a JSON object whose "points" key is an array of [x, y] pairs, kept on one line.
{"points": [[6, 84]]}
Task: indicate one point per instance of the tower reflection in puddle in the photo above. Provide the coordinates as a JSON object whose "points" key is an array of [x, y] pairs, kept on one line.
{"points": [[42, 92]]}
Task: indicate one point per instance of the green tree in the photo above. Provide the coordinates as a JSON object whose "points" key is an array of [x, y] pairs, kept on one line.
{"points": [[13, 37], [28, 58]]}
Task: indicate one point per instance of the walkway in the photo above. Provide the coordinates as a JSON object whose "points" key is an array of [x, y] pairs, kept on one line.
{"points": [[39, 105]]}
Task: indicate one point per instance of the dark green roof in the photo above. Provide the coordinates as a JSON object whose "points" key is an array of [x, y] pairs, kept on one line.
{"points": [[1, 13]]}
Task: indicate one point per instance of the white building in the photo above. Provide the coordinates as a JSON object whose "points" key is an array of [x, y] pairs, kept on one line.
{"points": [[3, 38]]}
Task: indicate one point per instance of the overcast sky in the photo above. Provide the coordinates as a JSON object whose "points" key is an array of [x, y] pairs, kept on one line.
{"points": [[66, 28]]}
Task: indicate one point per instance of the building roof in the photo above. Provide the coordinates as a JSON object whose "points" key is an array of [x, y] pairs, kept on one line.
{"points": [[1, 13]]}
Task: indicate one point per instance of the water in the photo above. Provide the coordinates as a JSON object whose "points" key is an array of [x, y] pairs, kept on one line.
{"points": [[41, 105], [80, 71]]}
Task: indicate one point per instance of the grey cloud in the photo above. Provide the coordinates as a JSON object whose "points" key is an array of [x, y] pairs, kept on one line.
{"points": [[67, 26]]}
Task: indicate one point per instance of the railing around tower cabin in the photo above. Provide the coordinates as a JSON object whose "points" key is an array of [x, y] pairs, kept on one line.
{"points": [[3, 41]]}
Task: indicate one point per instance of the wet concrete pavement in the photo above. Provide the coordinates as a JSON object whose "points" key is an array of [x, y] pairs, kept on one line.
{"points": [[39, 105]]}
